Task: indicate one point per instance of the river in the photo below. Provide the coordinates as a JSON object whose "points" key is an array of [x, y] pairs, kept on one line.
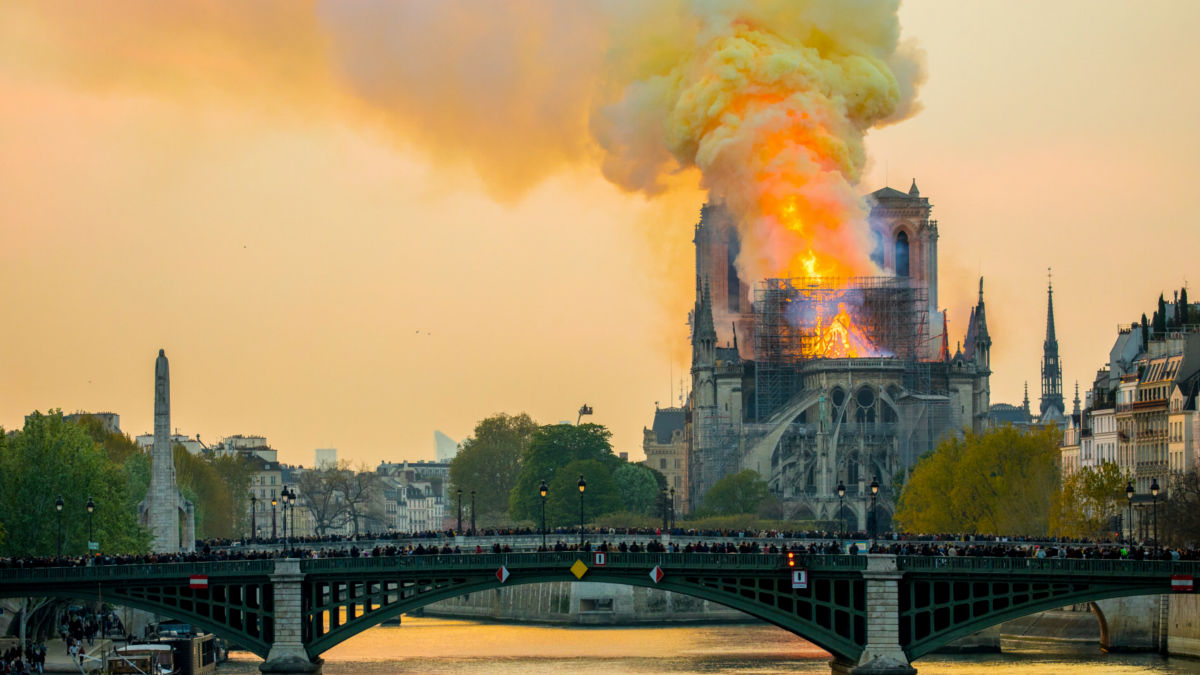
{"points": [[428, 645]]}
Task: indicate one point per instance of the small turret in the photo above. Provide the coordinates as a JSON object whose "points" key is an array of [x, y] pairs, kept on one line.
{"points": [[913, 191]]}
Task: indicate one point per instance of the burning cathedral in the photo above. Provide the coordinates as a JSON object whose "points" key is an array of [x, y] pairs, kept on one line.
{"points": [[820, 380]]}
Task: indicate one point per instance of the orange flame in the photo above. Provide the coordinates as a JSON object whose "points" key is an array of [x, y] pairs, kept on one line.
{"points": [[841, 339]]}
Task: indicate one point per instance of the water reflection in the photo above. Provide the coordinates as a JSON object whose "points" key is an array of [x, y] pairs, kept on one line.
{"points": [[426, 645]]}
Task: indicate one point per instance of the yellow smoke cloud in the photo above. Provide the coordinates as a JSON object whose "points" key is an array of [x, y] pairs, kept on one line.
{"points": [[768, 99]]}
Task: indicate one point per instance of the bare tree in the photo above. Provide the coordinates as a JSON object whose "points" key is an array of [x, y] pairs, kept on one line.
{"points": [[319, 490], [360, 490], [1179, 514]]}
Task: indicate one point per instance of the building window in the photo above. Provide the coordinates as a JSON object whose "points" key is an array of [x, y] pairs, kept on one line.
{"points": [[902, 254], [662, 464]]}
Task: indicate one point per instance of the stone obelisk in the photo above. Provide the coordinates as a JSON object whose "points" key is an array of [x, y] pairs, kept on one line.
{"points": [[164, 503]]}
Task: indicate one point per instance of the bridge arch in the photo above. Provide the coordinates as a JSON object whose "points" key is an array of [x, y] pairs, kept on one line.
{"points": [[837, 628], [259, 645]]}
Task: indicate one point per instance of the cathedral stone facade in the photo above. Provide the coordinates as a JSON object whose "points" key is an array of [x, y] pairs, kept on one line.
{"points": [[807, 423]]}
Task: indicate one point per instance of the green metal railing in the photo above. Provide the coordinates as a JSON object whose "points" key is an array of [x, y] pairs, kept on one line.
{"points": [[1087, 566], [139, 571]]}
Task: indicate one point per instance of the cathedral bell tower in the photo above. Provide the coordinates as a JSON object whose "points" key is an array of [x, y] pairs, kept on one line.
{"points": [[1051, 368]]}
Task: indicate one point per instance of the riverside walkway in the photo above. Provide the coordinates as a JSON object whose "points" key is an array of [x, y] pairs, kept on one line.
{"points": [[875, 613]]}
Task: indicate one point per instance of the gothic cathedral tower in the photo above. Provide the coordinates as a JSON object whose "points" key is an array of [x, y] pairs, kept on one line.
{"points": [[1051, 368]]}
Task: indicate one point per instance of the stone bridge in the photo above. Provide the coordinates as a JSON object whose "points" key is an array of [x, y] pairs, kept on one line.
{"points": [[874, 613]]}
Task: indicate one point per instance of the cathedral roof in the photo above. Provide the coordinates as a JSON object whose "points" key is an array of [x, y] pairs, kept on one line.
{"points": [[666, 422], [892, 193]]}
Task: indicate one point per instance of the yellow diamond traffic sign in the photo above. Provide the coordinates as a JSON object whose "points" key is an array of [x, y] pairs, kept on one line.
{"points": [[579, 569]]}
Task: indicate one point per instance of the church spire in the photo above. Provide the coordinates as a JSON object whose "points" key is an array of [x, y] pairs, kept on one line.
{"points": [[944, 354], [1026, 403], [1075, 410], [1051, 368]]}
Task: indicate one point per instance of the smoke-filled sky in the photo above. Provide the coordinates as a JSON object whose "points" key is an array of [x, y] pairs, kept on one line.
{"points": [[351, 223]]}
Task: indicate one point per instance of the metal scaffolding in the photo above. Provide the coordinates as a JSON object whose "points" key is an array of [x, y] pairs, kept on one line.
{"points": [[792, 318]]}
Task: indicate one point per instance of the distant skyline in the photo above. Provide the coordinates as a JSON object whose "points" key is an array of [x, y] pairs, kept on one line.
{"points": [[355, 270]]}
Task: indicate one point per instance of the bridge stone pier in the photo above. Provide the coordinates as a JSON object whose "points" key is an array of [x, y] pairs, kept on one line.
{"points": [[882, 654], [876, 614], [288, 654]]}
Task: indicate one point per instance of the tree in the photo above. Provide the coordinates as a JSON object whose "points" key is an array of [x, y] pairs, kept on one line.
{"points": [[1160, 317], [1088, 500], [601, 495], [360, 491], [51, 457], [637, 488], [1179, 514], [318, 494], [1145, 331], [1003, 481], [742, 492], [551, 448], [1183, 312], [490, 460]]}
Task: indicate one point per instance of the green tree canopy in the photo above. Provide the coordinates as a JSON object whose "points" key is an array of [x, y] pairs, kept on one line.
{"points": [[601, 495], [1004, 481], [490, 460], [51, 457], [1089, 499], [738, 493], [551, 448], [638, 489]]}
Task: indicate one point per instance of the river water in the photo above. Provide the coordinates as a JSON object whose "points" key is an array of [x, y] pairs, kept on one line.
{"points": [[429, 645]]}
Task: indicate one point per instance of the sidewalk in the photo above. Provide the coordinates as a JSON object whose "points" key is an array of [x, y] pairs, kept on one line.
{"points": [[59, 661]]}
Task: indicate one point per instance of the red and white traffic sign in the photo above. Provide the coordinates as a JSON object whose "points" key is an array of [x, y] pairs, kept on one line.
{"points": [[799, 578], [600, 559], [1181, 583], [502, 574], [657, 574], [198, 582]]}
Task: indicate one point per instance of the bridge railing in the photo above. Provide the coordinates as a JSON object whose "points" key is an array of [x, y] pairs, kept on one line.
{"points": [[613, 560], [139, 571], [1047, 565]]}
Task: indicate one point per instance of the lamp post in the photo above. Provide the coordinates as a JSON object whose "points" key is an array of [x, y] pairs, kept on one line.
{"points": [[672, 508], [284, 496], [459, 530], [841, 492], [253, 515], [874, 494], [91, 507], [472, 513], [58, 504], [662, 500], [582, 487], [1129, 496], [273, 533], [542, 491], [1154, 494]]}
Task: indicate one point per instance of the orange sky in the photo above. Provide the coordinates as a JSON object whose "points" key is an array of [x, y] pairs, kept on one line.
{"points": [[344, 271]]}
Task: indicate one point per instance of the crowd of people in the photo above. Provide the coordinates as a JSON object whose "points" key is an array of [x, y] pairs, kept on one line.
{"points": [[18, 661], [897, 545]]}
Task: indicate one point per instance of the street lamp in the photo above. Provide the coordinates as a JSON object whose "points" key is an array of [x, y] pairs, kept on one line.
{"points": [[273, 533], [91, 507], [253, 515], [1129, 495], [542, 491], [662, 500], [874, 493], [1154, 494], [841, 492], [58, 504], [284, 496], [458, 532], [582, 487], [472, 513], [672, 508]]}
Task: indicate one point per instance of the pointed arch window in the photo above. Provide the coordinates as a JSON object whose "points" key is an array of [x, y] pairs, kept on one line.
{"points": [[902, 254]]}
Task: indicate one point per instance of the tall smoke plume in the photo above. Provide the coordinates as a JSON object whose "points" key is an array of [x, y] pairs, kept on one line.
{"points": [[769, 100]]}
